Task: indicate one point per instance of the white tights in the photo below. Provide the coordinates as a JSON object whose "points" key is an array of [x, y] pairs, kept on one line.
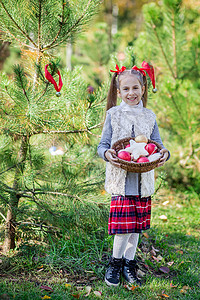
{"points": [[125, 245]]}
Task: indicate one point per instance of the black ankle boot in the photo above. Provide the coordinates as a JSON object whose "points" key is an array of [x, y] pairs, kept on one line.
{"points": [[112, 276], [129, 271]]}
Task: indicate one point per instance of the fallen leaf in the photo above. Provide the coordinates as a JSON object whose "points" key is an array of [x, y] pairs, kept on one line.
{"points": [[46, 297], [140, 273], [88, 290], [155, 258], [77, 296], [130, 287], [103, 192], [98, 293], [46, 288], [93, 278], [156, 250], [40, 267], [133, 287], [173, 286], [164, 269], [165, 203], [146, 235], [163, 218], [159, 257], [163, 295], [170, 263], [153, 252], [179, 251], [89, 271], [184, 289], [68, 285]]}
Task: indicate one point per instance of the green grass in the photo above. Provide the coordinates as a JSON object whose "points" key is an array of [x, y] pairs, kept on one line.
{"points": [[79, 259]]}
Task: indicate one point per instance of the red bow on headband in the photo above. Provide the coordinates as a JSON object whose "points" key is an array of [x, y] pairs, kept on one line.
{"points": [[150, 71], [118, 71], [50, 78]]}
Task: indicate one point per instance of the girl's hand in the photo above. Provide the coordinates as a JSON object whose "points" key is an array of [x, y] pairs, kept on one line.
{"points": [[164, 157], [110, 158]]}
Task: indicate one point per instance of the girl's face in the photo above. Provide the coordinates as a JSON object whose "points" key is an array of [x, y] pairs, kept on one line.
{"points": [[130, 89]]}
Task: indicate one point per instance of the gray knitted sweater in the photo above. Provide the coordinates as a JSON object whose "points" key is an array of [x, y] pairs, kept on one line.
{"points": [[131, 184]]}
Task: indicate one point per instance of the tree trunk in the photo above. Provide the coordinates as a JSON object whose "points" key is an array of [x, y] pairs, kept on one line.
{"points": [[9, 242]]}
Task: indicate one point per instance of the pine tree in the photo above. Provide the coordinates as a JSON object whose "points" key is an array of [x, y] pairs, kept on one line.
{"points": [[171, 42], [31, 114]]}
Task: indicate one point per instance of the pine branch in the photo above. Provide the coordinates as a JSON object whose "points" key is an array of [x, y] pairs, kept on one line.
{"points": [[162, 50], [20, 29], [39, 26], [20, 42], [70, 131], [36, 225], [178, 110], [19, 72], [9, 189], [6, 88], [69, 30], [174, 44], [61, 25], [15, 165]]}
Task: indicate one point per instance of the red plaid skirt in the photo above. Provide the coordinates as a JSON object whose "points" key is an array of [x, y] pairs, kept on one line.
{"points": [[129, 214]]}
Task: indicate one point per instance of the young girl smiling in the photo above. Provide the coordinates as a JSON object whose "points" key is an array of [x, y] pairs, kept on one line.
{"points": [[130, 208]]}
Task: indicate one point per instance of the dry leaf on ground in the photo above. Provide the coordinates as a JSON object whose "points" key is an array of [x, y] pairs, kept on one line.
{"points": [[88, 290], [76, 296], [170, 263], [184, 289], [163, 296], [163, 218], [46, 288], [98, 293], [164, 269], [146, 235]]}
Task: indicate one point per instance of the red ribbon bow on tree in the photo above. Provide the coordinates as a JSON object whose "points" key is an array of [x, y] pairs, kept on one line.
{"points": [[150, 71], [50, 78], [118, 71]]}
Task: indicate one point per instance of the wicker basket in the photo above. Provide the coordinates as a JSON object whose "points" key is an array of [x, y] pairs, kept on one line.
{"points": [[132, 166]]}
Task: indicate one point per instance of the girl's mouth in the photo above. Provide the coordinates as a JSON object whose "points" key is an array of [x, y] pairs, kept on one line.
{"points": [[132, 99]]}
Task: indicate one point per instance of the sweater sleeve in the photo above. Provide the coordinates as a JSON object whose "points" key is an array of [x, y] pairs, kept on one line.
{"points": [[155, 136], [105, 141]]}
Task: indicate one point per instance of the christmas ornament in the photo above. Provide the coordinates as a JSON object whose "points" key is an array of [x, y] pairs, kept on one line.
{"points": [[141, 139], [151, 148], [136, 149], [124, 155], [50, 78], [142, 159]]}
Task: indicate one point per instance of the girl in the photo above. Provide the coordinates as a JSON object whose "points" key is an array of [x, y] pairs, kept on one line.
{"points": [[130, 208]]}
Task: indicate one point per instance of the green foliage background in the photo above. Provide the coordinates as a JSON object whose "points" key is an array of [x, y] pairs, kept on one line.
{"points": [[49, 185]]}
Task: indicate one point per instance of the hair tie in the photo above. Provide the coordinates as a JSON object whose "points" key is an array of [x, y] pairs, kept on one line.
{"points": [[150, 71], [50, 78], [118, 71]]}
